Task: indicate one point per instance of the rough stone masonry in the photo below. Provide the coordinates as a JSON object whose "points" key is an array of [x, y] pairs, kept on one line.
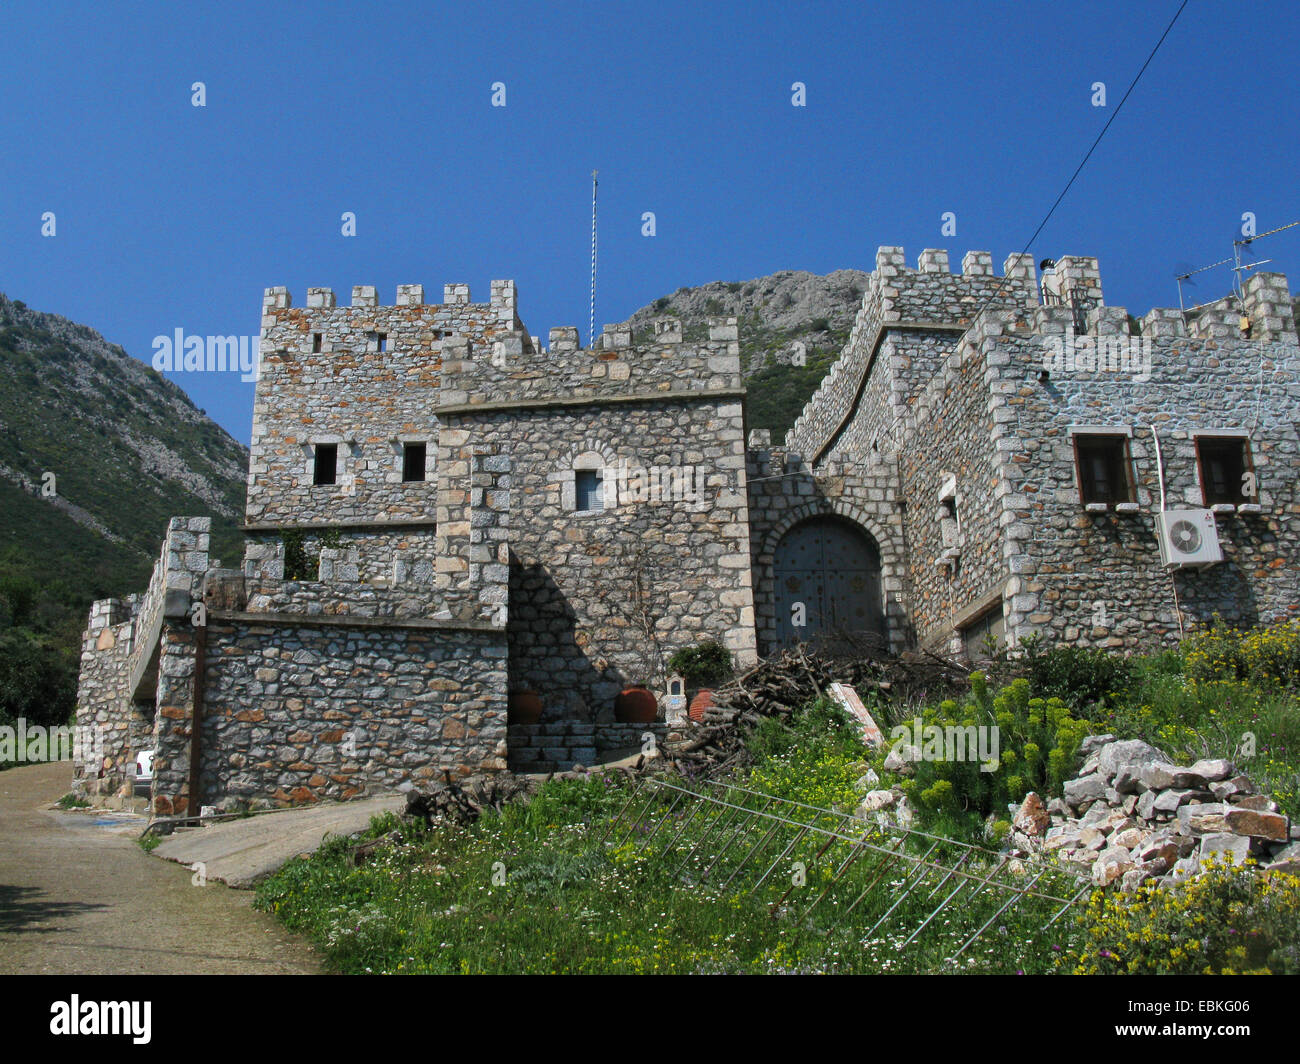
{"points": [[442, 512]]}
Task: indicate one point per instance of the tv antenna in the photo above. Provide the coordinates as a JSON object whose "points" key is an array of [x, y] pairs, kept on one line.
{"points": [[1238, 267]]}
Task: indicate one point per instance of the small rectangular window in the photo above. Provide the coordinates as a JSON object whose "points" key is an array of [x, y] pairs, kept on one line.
{"points": [[1103, 468], [315, 343], [1226, 472], [413, 456], [587, 493], [381, 341], [327, 460]]}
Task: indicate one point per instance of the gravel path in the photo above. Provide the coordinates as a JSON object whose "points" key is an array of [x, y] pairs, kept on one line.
{"points": [[79, 896]]}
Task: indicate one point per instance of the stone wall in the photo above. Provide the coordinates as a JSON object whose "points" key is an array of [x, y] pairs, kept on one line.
{"points": [[454, 566], [299, 713], [280, 663], [953, 520], [105, 769], [907, 361], [838, 392], [783, 492], [560, 745], [366, 400], [600, 598], [120, 661], [1096, 577], [382, 557], [897, 301]]}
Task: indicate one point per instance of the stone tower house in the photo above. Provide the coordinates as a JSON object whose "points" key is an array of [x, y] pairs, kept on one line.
{"points": [[442, 511]]}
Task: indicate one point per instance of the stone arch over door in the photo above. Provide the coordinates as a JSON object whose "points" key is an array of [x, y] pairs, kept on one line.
{"points": [[882, 562], [827, 574]]}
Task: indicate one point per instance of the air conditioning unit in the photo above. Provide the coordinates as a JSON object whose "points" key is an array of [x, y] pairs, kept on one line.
{"points": [[1188, 537]]}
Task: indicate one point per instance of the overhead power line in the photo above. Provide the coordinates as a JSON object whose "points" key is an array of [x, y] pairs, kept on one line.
{"points": [[1083, 162]]}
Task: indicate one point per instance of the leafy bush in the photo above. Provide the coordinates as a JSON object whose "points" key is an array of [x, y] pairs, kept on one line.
{"points": [[1265, 657], [704, 664], [816, 758], [566, 802], [551, 873], [36, 681], [297, 566], [1079, 676], [1229, 921]]}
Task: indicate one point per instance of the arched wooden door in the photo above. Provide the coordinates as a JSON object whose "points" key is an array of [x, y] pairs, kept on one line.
{"points": [[827, 574]]}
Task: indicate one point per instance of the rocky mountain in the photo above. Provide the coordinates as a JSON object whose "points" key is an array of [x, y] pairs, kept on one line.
{"points": [[774, 313], [97, 451]]}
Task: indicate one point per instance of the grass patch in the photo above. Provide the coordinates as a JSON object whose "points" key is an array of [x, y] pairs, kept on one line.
{"points": [[540, 888], [550, 887]]}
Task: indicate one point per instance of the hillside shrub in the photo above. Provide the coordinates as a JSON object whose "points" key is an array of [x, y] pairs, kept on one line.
{"points": [[1036, 748], [703, 665], [1082, 677], [1264, 657], [1228, 921], [37, 683]]}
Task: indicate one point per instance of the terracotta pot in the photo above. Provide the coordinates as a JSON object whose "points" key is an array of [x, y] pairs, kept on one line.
{"points": [[702, 701], [524, 707], [635, 705]]}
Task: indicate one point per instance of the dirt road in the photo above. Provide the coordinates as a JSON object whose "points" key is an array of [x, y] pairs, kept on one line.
{"points": [[78, 895]]}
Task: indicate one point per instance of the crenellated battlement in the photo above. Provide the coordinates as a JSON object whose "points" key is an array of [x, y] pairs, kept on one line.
{"points": [[931, 293], [933, 304], [892, 262], [504, 297], [408, 326], [1263, 313], [614, 368]]}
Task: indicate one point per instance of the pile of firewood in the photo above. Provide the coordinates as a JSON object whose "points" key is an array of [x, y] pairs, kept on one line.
{"points": [[784, 683]]}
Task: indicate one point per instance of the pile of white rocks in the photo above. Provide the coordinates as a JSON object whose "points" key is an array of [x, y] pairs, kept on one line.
{"points": [[1132, 816]]}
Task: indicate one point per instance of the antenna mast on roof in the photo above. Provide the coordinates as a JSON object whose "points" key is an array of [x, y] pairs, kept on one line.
{"points": [[1235, 259], [591, 321], [1237, 245]]}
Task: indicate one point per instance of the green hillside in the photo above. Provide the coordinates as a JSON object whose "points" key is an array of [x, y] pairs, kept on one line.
{"points": [[127, 450], [774, 313]]}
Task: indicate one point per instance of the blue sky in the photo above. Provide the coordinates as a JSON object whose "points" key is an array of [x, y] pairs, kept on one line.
{"points": [[173, 216]]}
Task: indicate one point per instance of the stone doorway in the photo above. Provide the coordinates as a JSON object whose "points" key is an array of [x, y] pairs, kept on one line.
{"points": [[827, 573]]}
